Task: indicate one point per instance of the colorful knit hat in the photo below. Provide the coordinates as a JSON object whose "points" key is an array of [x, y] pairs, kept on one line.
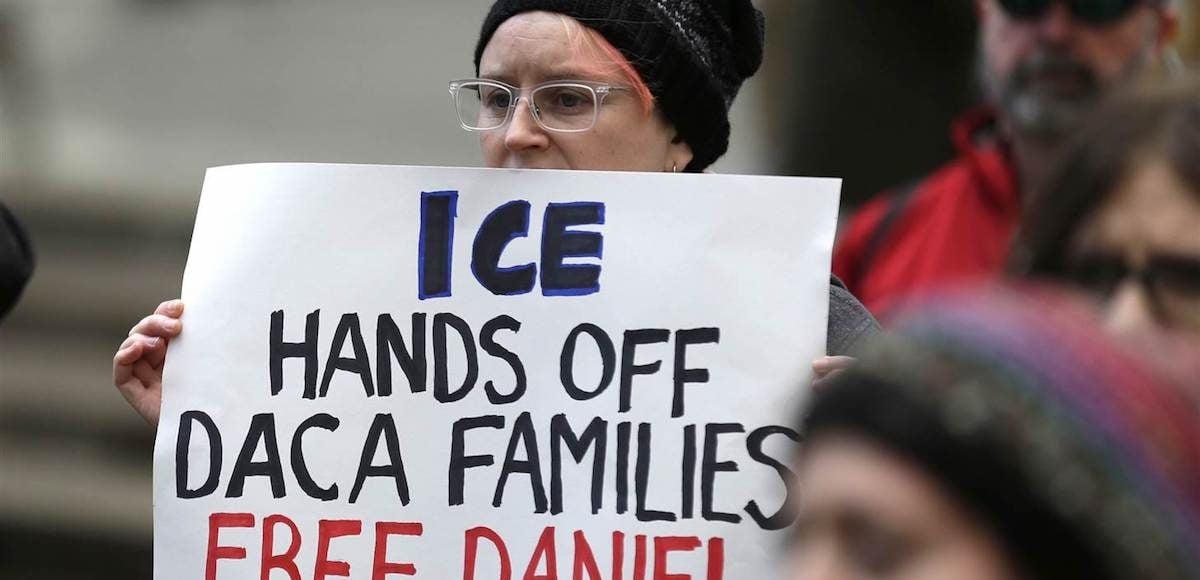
{"points": [[1084, 462], [693, 54]]}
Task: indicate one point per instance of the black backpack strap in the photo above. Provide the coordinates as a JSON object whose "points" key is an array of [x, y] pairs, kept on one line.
{"points": [[896, 206]]}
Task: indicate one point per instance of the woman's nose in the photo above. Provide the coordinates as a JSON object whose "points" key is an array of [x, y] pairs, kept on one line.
{"points": [[523, 132], [1130, 310]]}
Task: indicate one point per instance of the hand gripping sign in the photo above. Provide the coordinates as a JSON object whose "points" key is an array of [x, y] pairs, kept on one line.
{"points": [[488, 374]]}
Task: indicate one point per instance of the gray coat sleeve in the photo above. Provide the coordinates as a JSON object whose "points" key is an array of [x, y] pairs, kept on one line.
{"points": [[850, 323]]}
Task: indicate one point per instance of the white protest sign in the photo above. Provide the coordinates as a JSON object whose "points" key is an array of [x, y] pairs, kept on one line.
{"points": [[488, 374]]}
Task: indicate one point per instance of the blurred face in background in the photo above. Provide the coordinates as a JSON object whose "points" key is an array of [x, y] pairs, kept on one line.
{"points": [[1140, 252], [629, 135], [1045, 65], [867, 514]]}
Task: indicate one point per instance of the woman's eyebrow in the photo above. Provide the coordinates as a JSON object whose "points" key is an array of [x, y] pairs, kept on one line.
{"points": [[561, 72], [573, 73], [557, 73]]}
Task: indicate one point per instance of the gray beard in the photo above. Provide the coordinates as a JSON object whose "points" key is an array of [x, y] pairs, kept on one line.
{"points": [[1046, 118], [1038, 114]]}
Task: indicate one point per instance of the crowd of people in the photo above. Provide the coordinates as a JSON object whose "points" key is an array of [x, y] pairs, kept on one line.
{"points": [[1031, 406]]}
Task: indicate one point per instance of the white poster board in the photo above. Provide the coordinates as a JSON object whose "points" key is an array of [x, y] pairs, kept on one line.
{"points": [[480, 374]]}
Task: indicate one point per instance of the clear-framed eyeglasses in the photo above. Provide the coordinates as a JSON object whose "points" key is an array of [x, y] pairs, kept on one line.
{"points": [[561, 106]]}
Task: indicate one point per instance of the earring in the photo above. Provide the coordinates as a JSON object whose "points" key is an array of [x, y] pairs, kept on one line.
{"points": [[674, 167]]}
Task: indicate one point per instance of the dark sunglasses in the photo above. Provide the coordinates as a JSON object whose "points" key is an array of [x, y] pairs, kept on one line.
{"points": [[1089, 11], [1171, 282]]}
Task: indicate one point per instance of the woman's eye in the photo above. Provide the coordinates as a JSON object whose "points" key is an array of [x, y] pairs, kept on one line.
{"points": [[566, 101], [496, 99], [879, 553], [569, 100]]}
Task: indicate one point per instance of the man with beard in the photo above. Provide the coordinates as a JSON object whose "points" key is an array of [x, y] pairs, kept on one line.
{"points": [[1044, 64]]}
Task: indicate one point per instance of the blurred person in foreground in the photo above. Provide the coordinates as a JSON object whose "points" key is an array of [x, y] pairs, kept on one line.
{"points": [[626, 85], [1000, 436], [16, 260], [1119, 216], [1044, 65]]}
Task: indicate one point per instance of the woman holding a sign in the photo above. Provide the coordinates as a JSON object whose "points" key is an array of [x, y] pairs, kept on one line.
{"points": [[622, 85]]}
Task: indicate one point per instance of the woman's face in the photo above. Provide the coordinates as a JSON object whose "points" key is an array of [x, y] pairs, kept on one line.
{"points": [[536, 47], [1150, 224], [866, 514]]}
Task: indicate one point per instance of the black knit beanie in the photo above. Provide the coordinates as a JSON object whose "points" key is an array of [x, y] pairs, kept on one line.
{"points": [[693, 54]]}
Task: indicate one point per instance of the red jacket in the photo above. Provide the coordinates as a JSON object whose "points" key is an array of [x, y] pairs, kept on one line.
{"points": [[953, 227]]}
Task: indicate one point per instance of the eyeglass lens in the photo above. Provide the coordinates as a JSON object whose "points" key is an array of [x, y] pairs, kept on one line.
{"points": [[565, 107], [1090, 11], [1177, 282]]}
